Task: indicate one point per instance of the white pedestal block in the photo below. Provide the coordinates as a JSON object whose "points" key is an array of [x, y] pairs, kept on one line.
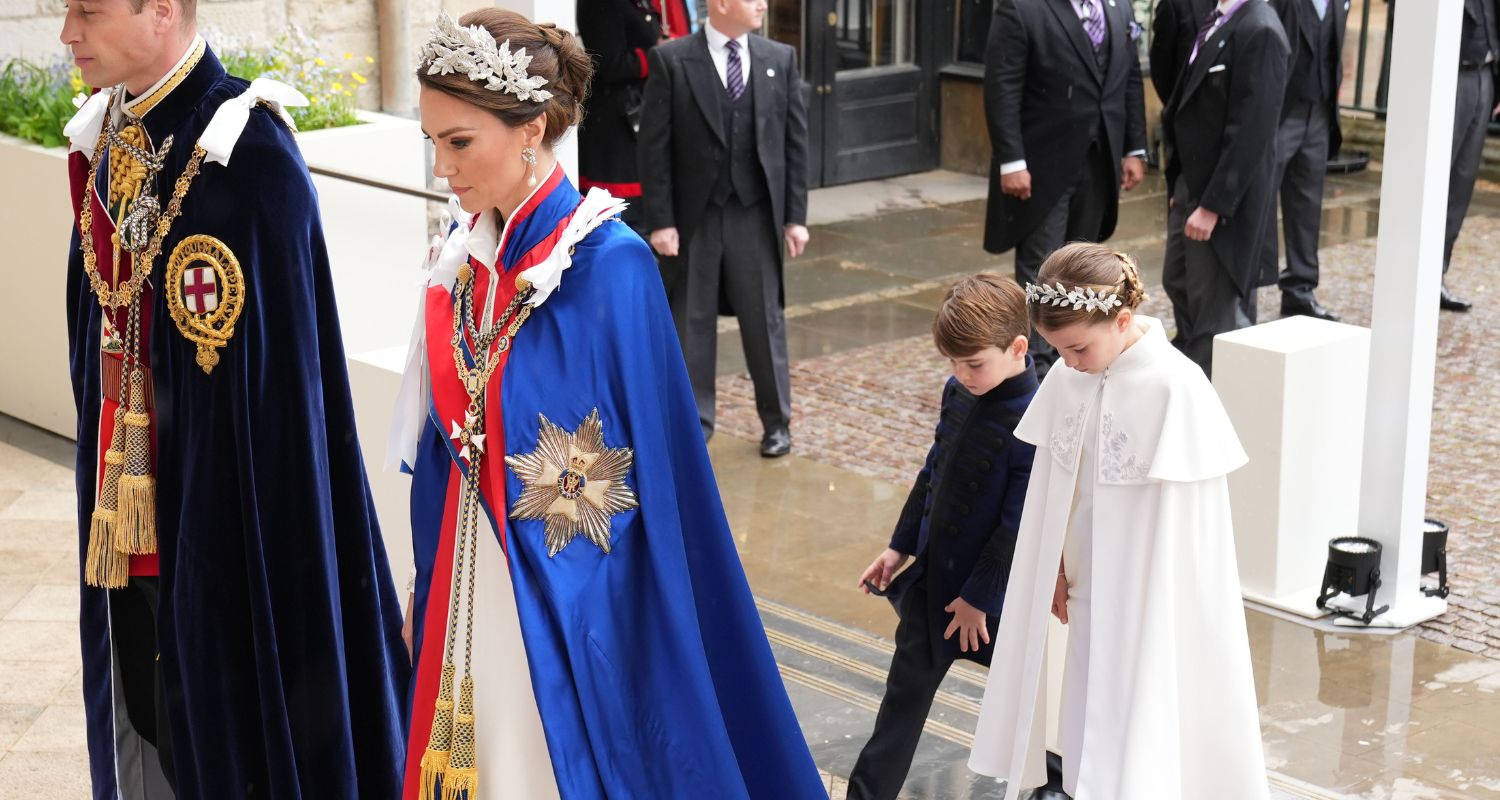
{"points": [[374, 378], [1295, 391]]}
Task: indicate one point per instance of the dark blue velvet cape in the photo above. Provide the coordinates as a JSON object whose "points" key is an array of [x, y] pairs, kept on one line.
{"points": [[650, 666], [279, 628]]}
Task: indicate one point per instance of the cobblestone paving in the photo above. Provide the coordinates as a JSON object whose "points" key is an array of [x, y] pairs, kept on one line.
{"points": [[871, 410]]}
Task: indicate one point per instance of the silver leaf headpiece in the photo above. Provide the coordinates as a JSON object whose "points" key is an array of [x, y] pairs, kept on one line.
{"points": [[1079, 298], [472, 51]]}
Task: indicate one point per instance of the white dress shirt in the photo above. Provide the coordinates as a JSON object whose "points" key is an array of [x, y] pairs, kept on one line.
{"points": [[720, 54]]}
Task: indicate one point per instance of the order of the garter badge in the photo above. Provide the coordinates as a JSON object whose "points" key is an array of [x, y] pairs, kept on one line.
{"points": [[205, 294], [573, 482]]}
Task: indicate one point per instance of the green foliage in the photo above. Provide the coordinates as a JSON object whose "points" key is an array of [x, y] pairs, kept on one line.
{"points": [[36, 102], [294, 58]]}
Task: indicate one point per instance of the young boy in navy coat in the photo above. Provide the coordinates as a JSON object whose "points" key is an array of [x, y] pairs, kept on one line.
{"points": [[959, 523]]}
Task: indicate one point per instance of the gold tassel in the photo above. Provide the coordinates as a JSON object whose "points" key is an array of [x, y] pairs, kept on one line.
{"points": [[107, 567], [135, 529], [461, 781], [440, 741]]}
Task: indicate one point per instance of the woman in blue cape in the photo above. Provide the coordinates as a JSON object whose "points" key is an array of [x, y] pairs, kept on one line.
{"points": [[582, 627]]}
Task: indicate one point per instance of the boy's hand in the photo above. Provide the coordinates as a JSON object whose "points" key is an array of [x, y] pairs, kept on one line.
{"points": [[1060, 599], [970, 624], [882, 569]]}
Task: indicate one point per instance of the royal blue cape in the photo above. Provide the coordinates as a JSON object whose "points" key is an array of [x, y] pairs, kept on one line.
{"points": [[650, 666]]}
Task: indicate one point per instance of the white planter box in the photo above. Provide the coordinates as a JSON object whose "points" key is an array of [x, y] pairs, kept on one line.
{"points": [[376, 240], [35, 225]]}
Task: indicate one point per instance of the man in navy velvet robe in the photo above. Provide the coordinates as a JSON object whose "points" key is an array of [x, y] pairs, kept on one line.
{"points": [[250, 647]]}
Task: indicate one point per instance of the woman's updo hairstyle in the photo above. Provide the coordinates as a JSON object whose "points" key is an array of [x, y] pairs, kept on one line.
{"points": [[555, 54], [1083, 266]]}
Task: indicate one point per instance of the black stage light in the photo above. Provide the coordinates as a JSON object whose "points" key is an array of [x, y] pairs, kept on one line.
{"points": [[1354, 570], [1435, 555]]}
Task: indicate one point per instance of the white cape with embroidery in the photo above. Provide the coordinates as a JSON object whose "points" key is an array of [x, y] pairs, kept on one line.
{"points": [[1171, 709]]}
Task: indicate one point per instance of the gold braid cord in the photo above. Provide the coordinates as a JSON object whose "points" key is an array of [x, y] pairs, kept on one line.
{"points": [[124, 517], [450, 765]]}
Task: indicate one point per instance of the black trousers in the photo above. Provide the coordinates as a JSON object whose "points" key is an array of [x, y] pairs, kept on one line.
{"points": [[1205, 300], [734, 254], [132, 615], [1473, 108], [1077, 216], [1301, 163], [909, 689]]}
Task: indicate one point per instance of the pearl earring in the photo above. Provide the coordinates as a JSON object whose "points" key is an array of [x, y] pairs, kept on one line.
{"points": [[528, 154]]}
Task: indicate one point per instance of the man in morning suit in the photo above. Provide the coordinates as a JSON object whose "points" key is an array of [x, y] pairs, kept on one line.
{"points": [[1220, 129], [1474, 107], [1174, 27], [1309, 135], [1067, 121], [723, 161]]}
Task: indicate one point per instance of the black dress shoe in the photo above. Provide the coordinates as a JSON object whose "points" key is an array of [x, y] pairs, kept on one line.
{"points": [[1053, 790], [1292, 306], [776, 444], [1449, 301]]}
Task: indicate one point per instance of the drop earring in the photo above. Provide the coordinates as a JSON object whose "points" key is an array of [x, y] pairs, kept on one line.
{"points": [[528, 154]]}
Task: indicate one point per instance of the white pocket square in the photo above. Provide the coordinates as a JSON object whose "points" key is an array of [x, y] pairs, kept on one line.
{"points": [[1217, 68]]}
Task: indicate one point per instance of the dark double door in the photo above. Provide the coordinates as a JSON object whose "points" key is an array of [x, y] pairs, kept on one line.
{"points": [[871, 83]]}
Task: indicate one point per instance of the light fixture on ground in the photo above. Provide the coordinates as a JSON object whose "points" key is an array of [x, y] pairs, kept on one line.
{"points": [[1354, 570], [1435, 555]]}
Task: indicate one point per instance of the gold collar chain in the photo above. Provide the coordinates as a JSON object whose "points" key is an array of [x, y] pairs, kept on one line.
{"points": [[140, 269]]}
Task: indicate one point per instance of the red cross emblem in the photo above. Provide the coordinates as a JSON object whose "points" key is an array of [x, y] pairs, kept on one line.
{"points": [[200, 290]]}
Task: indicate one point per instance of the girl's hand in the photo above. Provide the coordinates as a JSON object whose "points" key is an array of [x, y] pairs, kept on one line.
{"points": [[1060, 599], [970, 624]]}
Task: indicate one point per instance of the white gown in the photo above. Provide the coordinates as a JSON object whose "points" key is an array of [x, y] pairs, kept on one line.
{"points": [[1159, 697]]}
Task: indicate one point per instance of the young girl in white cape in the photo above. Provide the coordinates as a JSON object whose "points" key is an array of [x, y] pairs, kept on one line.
{"points": [[1126, 536]]}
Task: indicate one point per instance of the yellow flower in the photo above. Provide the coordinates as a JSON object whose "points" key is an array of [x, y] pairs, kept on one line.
{"points": [[77, 83], [348, 56], [320, 62], [338, 87], [369, 60], [348, 93], [303, 73], [358, 78]]}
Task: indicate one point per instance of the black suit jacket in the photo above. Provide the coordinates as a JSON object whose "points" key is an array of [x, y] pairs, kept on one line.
{"points": [[1220, 127], [1474, 42], [1174, 25], [682, 140], [1045, 98], [1300, 20]]}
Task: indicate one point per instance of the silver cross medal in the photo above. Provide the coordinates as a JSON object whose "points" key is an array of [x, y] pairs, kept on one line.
{"points": [[468, 436]]}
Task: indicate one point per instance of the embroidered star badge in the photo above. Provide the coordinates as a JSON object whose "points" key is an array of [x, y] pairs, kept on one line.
{"points": [[573, 482], [467, 437]]}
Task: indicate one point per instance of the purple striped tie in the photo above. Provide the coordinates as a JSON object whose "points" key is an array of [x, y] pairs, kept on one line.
{"points": [[736, 73], [1093, 22]]}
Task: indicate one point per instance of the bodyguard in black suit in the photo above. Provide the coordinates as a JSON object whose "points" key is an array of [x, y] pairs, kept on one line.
{"points": [[1064, 101], [1474, 107], [1308, 136], [723, 158], [1220, 129], [1174, 26]]}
